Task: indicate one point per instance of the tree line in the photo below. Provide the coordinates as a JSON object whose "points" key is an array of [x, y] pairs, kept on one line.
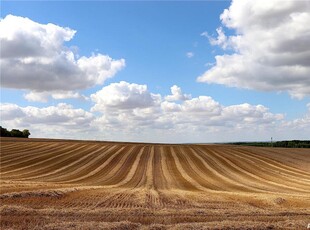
{"points": [[283, 144], [14, 133]]}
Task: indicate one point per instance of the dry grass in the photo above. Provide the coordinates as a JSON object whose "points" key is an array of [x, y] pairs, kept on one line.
{"points": [[59, 184]]}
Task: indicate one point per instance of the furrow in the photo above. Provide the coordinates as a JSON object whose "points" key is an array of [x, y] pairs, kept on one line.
{"points": [[169, 170], [116, 170], [35, 162], [245, 173], [88, 165], [139, 178], [149, 170], [275, 164], [34, 156], [127, 182], [67, 166], [190, 184], [191, 166], [276, 172], [24, 151], [56, 163], [223, 171], [92, 167], [160, 181], [262, 172]]}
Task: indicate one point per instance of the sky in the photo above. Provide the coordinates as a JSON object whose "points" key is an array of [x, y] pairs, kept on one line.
{"points": [[156, 71]]}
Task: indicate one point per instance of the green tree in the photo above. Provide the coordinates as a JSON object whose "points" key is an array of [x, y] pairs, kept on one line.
{"points": [[16, 133], [26, 133], [4, 132]]}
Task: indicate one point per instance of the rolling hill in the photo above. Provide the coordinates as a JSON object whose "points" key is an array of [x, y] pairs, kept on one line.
{"points": [[62, 184]]}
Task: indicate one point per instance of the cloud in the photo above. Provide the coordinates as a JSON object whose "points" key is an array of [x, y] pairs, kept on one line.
{"points": [[34, 57], [45, 96], [221, 39], [271, 47], [202, 104], [37, 96], [61, 114], [132, 109], [190, 54], [301, 123], [59, 121], [176, 94], [130, 112], [134, 102], [10, 112], [122, 96]]}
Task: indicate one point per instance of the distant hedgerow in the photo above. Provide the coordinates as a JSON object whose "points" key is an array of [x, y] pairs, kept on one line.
{"points": [[14, 133]]}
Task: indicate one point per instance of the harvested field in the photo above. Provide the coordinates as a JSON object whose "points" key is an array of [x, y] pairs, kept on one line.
{"points": [[60, 184]]}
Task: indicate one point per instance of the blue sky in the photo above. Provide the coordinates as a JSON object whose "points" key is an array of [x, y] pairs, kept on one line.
{"points": [[163, 44]]}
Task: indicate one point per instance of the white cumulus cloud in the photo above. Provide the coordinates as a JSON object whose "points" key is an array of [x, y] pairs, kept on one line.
{"points": [[62, 120], [271, 47], [123, 95], [176, 94], [34, 57], [130, 112], [45, 96]]}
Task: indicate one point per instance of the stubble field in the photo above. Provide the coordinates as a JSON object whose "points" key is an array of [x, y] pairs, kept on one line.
{"points": [[61, 184]]}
